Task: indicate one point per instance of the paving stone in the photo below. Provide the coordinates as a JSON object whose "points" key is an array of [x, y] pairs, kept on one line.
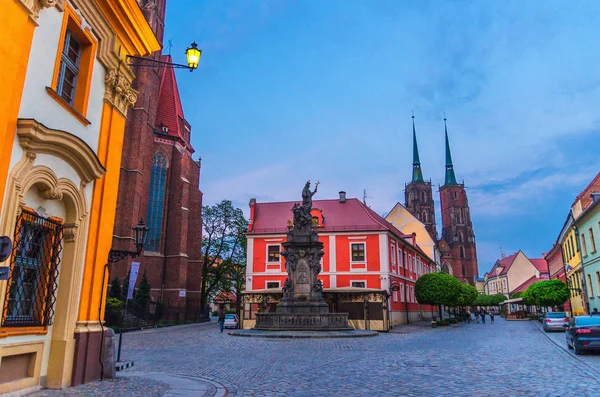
{"points": [[496, 360]]}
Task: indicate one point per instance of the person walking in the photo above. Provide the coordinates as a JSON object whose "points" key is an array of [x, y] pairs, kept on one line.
{"points": [[468, 316], [492, 316], [221, 319], [482, 314], [476, 316]]}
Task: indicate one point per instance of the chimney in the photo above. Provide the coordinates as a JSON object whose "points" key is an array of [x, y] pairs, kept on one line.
{"points": [[252, 205], [342, 197]]}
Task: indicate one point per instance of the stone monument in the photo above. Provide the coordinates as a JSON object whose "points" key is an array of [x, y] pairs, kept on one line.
{"points": [[302, 306]]}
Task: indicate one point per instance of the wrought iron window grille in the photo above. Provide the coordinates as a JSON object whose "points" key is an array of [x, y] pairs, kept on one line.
{"points": [[32, 283]]}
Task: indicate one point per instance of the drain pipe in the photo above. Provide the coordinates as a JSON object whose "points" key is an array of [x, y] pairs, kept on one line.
{"points": [[100, 321]]}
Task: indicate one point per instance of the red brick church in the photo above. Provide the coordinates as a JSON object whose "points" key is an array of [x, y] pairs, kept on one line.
{"points": [[159, 183], [457, 243]]}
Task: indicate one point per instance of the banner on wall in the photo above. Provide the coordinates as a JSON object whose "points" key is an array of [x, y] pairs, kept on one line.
{"points": [[135, 267]]}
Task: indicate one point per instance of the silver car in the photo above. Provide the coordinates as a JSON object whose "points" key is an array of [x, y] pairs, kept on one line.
{"points": [[555, 321]]}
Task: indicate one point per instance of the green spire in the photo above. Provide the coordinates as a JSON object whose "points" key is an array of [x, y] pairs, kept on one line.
{"points": [[417, 174], [450, 177]]}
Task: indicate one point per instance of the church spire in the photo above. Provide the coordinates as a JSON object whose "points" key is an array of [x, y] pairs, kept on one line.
{"points": [[450, 177], [417, 174]]}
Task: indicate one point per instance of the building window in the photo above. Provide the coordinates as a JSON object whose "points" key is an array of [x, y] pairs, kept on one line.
{"points": [[400, 261], [69, 68], [273, 284], [32, 282], [358, 284], [401, 292], [424, 215], [462, 252], [358, 252], [393, 257], [583, 245], [590, 286], [71, 82], [592, 241], [405, 260], [598, 282], [273, 253], [464, 270], [395, 294], [455, 195], [156, 201], [422, 197]]}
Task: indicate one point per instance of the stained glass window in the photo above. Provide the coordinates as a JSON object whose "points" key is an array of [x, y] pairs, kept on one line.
{"points": [[156, 201]]}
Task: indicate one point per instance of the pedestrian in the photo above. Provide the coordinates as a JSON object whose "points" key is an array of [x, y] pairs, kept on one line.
{"points": [[221, 319], [492, 315], [482, 314], [476, 316], [468, 316], [595, 312]]}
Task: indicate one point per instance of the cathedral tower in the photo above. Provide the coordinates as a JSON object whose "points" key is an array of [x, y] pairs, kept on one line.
{"points": [[418, 194], [459, 254]]}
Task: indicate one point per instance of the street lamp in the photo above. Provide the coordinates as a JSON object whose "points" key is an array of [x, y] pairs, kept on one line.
{"points": [[140, 235], [192, 54]]}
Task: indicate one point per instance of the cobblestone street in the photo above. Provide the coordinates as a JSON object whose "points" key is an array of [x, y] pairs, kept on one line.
{"points": [[501, 359]]}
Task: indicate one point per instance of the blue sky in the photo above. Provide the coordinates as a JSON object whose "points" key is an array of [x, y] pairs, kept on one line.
{"points": [[323, 90]]}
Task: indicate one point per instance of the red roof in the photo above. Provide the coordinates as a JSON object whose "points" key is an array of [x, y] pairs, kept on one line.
{"points": [[505, 263], [225, 297], [352, 215], [540, 264], [585, 195], [169, 103]]}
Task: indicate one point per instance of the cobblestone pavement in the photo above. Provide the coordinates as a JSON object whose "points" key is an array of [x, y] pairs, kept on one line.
{"points": [[130, 386], [501, 359]]}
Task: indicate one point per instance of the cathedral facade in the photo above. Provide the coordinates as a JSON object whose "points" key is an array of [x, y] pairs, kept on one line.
{"points": [[457, 242], [159, 182]]}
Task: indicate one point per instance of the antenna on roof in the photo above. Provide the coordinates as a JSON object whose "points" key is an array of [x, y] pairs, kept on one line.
{"points": [[169, 46], [502, 253], [365, 197]]}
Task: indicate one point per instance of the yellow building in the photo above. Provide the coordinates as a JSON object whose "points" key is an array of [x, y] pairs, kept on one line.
{"points": [[404, 221], [64, 93], [573, 270]]}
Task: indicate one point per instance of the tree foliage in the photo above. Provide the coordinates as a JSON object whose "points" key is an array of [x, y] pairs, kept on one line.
{"points": [[439, 289], [142, 296], [468, 295], [115, 289], [489, 300], [223, 249], [547, 293]]}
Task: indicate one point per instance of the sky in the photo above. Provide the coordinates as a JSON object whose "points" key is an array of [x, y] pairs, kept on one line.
{"points": [[289, 91]]}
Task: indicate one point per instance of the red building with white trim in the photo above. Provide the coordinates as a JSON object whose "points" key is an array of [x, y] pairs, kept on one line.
{"points": [[362, 251]]}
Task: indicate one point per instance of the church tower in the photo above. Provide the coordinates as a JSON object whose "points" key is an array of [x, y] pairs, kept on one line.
{"points": [[459, 254], [418, 196]]}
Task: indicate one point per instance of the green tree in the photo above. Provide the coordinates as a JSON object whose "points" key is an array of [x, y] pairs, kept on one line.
{"points": [[489, 300], [468, 295], [495, 300], [222, 241], [439, 289], [548, 293], [142, 297], [516, 295], [115, 289]]}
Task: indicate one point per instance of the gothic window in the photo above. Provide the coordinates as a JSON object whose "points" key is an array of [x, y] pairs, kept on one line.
{"points": [[422, 197], [460, 236], [462, 252], [424, 217], [455, 195], [156, 201], [464, 270]]}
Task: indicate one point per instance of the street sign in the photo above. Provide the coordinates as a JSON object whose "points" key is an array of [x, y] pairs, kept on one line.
{"points": [[5, 248], [4, 272]]}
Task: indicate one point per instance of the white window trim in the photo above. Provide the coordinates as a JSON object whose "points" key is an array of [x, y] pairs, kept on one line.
{"points": [[402, 292], [395, 293], [267, 254], [272, 281], [358, 281], [364, 269]]}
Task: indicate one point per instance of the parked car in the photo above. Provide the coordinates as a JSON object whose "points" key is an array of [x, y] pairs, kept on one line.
{"points": [[583, 333], [555, 321], [231, 321]]}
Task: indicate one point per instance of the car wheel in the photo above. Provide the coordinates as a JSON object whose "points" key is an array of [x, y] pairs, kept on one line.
{"points": [[578, 352], [569, 345]]}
